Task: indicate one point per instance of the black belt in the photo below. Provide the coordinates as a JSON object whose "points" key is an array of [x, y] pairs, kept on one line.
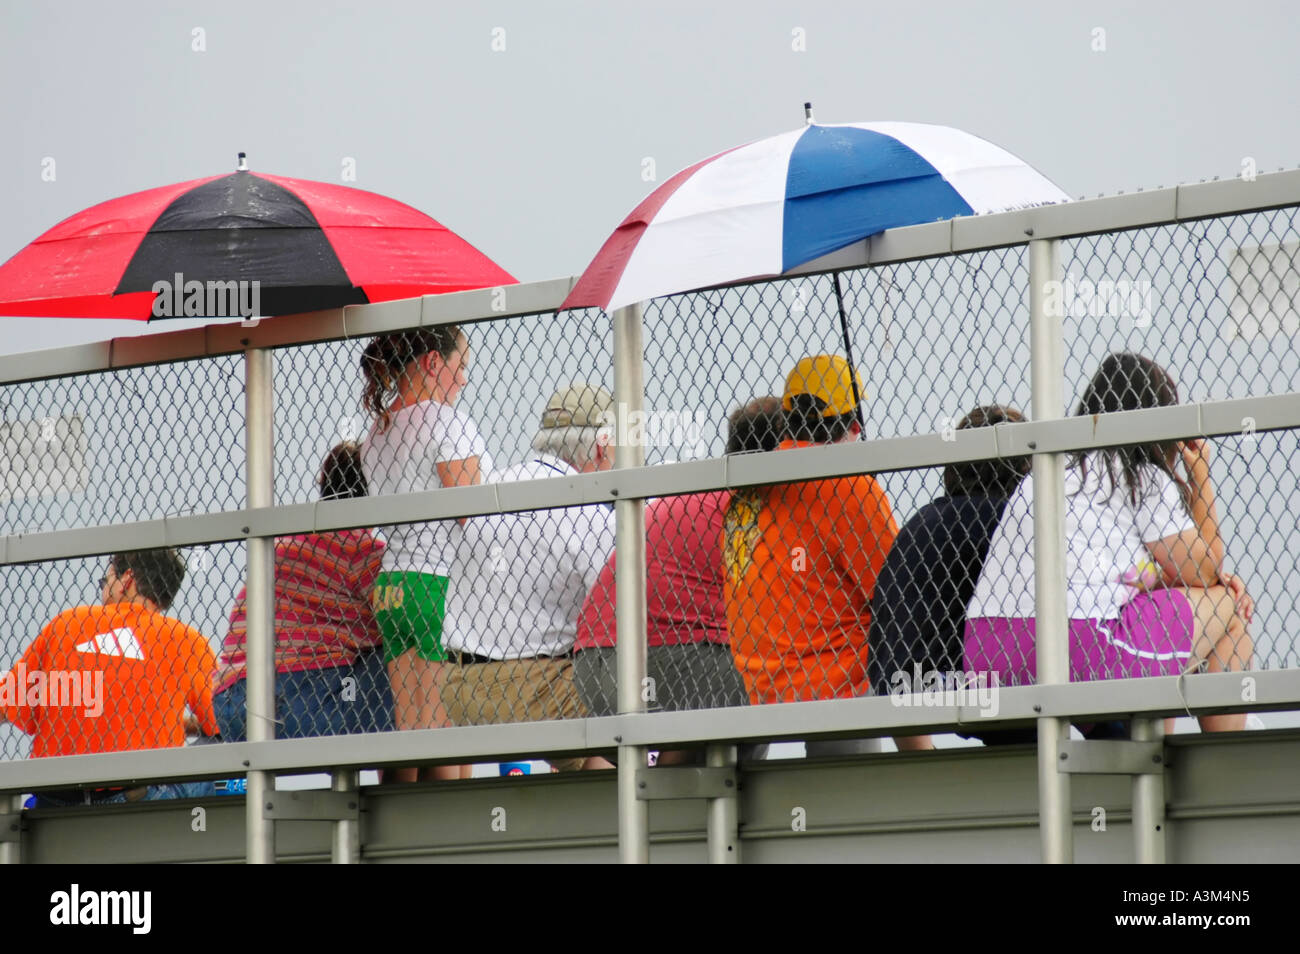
{"points": [[466, 659]]}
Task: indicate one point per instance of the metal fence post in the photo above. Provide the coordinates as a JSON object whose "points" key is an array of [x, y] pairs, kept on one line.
{"points": [[629, 584], [260, 714], [724, 813], [11, 845], [1149, 800], [346, 847], [1047, 350]]}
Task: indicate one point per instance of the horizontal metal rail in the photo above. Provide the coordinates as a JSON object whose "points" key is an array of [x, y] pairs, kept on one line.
{"points": [[1266, 690], [1184, 203], [1211, 419], [1235, 799]]}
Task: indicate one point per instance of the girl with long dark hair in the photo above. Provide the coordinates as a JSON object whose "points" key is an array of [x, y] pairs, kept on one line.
{"points": [[1146, 589]]}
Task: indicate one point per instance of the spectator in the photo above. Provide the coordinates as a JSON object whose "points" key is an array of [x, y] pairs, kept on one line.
{"points": [[689, 660], [918, 613], [330, 676], [1146, 591], [115, 676], [521, 578], [802, 559], [418, 441]]}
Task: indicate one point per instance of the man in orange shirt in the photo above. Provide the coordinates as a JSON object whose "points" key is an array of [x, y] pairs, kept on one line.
{"points": [[116, 676], [801, 559]]}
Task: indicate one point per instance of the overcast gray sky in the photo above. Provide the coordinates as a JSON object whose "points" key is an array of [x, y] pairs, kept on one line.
{"points": [[535, 152]]}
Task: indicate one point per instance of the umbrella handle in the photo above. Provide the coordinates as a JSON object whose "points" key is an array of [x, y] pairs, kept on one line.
{"points": [[848, 345]]}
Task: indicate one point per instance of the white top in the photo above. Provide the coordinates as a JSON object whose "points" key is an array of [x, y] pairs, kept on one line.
{"points": [[520, 579], [1104, 540], [404, 459]]}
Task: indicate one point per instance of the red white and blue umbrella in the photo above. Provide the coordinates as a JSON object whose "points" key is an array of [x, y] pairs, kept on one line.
{"points": [[759, 210]]}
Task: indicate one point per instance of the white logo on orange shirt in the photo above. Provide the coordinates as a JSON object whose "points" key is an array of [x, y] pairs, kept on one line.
{"points": [[117, 642]]}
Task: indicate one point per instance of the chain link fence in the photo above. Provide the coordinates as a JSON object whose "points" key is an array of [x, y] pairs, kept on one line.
{"points": [[137, 444], [799, 591]]}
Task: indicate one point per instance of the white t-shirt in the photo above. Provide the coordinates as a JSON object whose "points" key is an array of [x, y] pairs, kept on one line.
{"points": [[1104, 540], [520, 579], [404, 459]]}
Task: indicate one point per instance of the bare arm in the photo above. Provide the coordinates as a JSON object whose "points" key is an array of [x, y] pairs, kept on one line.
{"points": [[459, 473], [1194, 557]]}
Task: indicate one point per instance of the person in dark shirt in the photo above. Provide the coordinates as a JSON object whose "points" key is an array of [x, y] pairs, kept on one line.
{"points": [[918, 612]]}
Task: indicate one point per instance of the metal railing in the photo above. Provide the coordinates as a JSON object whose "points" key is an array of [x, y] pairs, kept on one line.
{"points": [[154, 452]]}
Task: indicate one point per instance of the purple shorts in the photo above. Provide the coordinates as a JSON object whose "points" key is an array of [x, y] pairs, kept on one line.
{"points": [[1152, 637]]}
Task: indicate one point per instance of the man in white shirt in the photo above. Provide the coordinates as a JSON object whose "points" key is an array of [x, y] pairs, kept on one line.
{"points": [[519, 580]]}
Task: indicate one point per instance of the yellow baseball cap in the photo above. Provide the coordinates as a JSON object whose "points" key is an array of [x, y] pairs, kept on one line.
{"points": [[828, 377]]}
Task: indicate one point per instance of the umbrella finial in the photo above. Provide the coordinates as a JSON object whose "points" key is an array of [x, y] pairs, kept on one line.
{"points": [[243, 163], [807, 114]]}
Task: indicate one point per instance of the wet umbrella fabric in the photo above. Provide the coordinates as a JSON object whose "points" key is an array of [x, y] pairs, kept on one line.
{"points": [[308, 245], [759, 210]]}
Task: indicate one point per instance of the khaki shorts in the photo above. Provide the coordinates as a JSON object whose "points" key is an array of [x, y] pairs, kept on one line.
{"points": [[514, 690]]}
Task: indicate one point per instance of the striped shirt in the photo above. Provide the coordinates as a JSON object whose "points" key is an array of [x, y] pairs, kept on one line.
{"points": [[323, 617]]}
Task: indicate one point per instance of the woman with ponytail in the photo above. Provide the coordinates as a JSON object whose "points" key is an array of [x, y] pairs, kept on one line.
{"points": [[418, 441]]}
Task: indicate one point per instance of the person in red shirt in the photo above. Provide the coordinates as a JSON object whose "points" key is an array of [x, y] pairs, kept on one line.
{"points": [[689, 662], [329, 665], [115, 676]]}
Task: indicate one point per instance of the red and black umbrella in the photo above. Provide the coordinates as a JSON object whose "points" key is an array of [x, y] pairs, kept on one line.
{"points": [[309, 245]]}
